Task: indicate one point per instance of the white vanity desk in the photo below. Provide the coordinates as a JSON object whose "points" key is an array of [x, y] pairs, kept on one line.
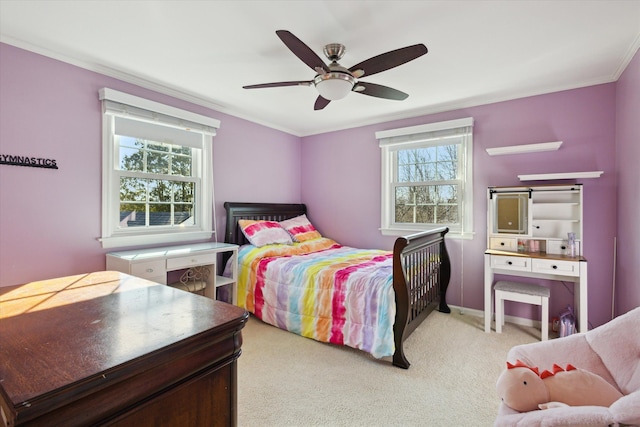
{"points": [[540, 265]]}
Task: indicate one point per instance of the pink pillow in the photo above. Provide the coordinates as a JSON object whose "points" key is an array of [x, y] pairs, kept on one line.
{"points": [[300, 228], [261, 233]]}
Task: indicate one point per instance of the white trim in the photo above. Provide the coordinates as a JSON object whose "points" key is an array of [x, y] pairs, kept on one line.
{"points": [[525, 148], [197, 99], [635, 46], [124, 241], [567, 175]]}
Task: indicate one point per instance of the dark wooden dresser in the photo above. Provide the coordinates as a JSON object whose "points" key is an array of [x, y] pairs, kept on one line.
{"points": [[107, 348]]}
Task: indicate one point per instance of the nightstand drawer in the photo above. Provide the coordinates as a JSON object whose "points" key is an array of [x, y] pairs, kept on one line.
{"points": [[148, 270], [550, 266], [511, 263], [190, 261]]}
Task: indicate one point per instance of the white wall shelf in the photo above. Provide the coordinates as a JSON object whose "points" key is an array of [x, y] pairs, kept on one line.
{"points": [[525, 148], [552, 176]]}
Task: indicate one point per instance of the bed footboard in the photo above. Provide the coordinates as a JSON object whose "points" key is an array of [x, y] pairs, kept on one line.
{"points": [[421, 273]]}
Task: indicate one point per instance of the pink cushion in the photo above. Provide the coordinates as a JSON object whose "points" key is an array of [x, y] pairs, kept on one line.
{"points": [[300, 228], [617, 343], [611, 351], [261, 233]]}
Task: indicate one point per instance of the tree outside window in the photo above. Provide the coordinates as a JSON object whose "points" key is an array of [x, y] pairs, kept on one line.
{"points": [[421, 193], [149, 202]]}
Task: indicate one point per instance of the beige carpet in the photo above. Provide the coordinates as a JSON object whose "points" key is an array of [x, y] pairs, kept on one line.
{"points": [[288, 380]]}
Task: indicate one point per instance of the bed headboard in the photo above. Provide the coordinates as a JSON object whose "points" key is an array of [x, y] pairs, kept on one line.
{"points": [[256, 211]]}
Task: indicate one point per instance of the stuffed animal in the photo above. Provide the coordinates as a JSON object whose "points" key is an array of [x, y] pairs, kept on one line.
{"points": [[525, 389]]}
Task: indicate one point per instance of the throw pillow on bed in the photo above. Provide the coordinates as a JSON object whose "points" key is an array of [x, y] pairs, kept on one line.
{"points": [[261, 233], [300, 228]]}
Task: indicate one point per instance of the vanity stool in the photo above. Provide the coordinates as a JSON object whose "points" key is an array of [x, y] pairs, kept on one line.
{"points": [[522, 292]]}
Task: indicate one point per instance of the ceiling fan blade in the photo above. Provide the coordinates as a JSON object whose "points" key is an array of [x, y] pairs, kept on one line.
{"points": [[302, 51], [320, 103], [379, 91], [279, 84], [388, 60]]}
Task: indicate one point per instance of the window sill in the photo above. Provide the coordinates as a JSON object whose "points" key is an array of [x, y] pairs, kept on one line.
{"points": [[154, 239], [406, 231]]}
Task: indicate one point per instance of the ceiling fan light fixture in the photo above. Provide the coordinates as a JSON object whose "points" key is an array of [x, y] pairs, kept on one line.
{"points": [[334, 81], [334, 86]]}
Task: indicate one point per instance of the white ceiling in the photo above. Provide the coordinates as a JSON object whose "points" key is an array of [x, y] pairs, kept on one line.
{"points": [[205, 51]]}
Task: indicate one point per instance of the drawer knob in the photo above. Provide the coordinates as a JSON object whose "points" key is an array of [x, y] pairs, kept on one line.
{"points": [[149, 270], [555, 267], [509, 262], [563, 247], [501, 243]]}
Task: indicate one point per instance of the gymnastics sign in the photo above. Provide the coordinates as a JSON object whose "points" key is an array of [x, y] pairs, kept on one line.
{"points": [[34, 162]]}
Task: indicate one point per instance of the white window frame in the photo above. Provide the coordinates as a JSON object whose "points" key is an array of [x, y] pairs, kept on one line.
{"points": [[428, 135], [118, 104]]}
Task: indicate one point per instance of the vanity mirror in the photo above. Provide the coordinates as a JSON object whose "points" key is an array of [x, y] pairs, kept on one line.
{"points": [[511, 213]]}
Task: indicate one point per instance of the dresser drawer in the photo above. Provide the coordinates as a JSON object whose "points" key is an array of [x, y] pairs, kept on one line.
{"points": [[511, 263], [190, 261], [550, 266], [503, 244], [148, 270]]}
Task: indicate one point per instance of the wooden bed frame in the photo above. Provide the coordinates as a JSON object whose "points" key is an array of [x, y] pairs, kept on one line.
{"points": [[421, 267]]}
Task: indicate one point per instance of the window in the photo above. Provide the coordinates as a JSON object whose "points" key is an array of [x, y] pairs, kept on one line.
{"points": [[427, 178], [157, 184]]}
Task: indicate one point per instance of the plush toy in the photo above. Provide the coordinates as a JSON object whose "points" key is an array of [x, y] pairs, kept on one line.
{"points": [[524, 388]]}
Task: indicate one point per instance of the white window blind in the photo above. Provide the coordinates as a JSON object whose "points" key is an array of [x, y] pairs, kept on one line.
{"points": [[145, 130], [120, 103], [425, 133]]}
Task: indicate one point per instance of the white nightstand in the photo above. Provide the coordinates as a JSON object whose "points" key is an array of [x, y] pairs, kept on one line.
{"points": [[153, 264]]}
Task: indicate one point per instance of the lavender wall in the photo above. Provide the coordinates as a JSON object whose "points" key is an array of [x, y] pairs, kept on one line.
{"points": [[50, 219], [627, 158], [341, 183]]}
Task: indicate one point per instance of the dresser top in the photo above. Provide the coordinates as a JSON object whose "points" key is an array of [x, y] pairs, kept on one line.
{"points": [[81, 331]]}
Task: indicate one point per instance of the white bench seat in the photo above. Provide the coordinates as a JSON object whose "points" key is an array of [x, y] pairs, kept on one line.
{"points": [[522, 292]]}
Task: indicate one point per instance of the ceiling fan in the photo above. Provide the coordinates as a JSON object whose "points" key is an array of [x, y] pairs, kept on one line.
{"points": [[334, 81]]}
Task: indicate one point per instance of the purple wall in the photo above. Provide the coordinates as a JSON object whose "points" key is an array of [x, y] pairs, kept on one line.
{"points": [[627, 159], [50, 219], [341, 183]]}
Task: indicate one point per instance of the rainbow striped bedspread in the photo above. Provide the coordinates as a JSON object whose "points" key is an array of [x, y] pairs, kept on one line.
{"points": [[322, 290]]}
